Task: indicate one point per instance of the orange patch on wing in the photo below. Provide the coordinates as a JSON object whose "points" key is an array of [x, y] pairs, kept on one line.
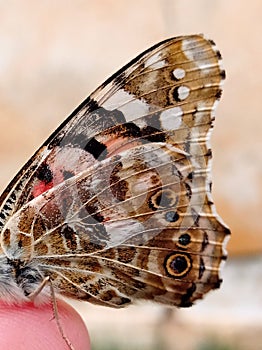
{"points": [[120, 144]]}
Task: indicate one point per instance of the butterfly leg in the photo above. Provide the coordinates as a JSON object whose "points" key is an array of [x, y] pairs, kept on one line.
{"points": [[56, 316], [32, 296], [39, 288]]}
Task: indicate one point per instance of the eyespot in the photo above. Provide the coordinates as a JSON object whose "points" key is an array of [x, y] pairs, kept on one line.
{"points": [[178, 264], [171, 216], [184, 240], [163, 199]]}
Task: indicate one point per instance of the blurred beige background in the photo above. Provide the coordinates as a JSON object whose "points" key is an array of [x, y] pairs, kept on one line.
{"points": [[54, 53]]}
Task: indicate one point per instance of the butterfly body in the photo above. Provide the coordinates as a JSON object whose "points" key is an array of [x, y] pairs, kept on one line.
{"points": [[116, 205]]}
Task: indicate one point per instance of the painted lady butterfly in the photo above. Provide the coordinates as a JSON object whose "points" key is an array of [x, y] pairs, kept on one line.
{"points": [[116, 205]]}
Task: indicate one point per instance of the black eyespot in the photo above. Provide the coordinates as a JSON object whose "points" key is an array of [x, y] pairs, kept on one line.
{"points": [[178, 264], [184, 239], [172, 216]]}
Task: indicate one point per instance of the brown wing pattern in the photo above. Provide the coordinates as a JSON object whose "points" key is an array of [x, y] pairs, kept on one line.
{"points": [[116, 205]]}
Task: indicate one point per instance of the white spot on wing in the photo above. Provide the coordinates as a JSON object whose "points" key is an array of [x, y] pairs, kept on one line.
{"points": [[179, 73], [171, 119], [183, 92]]}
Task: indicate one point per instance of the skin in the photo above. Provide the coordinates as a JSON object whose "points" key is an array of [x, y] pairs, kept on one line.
{"points": [[30, 327]]}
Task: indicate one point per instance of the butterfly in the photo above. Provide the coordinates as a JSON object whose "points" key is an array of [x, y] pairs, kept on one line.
{"points": [[116, 205]]}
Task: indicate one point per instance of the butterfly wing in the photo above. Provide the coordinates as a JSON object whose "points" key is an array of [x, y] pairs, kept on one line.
{"points": [[116, 205]]}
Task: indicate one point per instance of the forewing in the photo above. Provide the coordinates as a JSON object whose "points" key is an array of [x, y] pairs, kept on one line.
{"points": [[116, 204]]}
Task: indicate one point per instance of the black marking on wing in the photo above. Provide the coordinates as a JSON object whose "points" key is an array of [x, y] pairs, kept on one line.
{"points": [[70, 236], [44, 173], [96, 148]]}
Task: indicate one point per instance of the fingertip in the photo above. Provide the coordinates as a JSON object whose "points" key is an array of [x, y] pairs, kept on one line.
{"points": [[28, 327]]}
